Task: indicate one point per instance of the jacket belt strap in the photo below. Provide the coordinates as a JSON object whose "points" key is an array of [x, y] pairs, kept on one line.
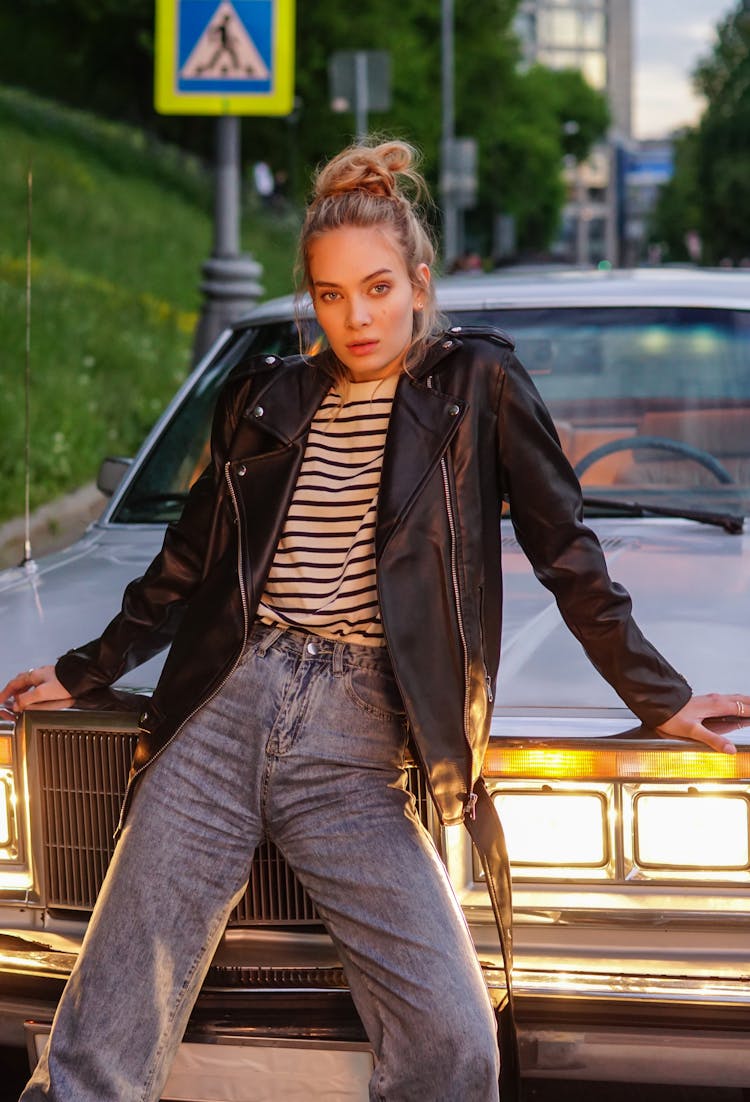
{"points": [[487, 835]]}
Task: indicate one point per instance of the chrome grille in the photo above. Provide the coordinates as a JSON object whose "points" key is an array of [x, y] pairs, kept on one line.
{"points": [[80, 775]]}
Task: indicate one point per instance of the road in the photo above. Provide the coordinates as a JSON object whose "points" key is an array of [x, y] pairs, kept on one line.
{"points": [[13, 1077]]}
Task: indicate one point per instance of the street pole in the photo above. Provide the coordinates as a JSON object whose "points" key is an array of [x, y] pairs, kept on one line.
{"points": [[450, 208], [230, 279]]}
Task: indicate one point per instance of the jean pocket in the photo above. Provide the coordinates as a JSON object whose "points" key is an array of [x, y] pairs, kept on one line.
{"points": [[375, 692]]}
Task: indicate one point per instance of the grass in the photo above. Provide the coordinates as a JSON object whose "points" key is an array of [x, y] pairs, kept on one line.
{"points": [[120, 227]]}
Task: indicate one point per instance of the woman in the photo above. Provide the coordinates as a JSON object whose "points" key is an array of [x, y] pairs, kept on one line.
{"points": [[327, 594]]}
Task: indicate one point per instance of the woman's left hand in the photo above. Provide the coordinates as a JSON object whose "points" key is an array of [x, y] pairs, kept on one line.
{"points": [[688, 722]]}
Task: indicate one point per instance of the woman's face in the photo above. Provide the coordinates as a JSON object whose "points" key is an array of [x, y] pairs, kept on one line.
{"points": [[364, 299]]}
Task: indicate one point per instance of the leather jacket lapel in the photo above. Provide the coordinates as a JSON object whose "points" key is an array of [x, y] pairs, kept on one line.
{"points": [[423, 422]]}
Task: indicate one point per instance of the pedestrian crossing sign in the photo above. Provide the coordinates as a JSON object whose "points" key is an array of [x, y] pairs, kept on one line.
{"points": [[224, 57]]}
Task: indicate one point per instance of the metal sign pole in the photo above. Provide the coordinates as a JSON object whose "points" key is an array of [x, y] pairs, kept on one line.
{"points": [[230, 283], [450, 209], [228, 58], [227, 189]]}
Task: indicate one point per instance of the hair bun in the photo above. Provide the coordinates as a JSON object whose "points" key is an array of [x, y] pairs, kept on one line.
{"points": [[372, 168]]}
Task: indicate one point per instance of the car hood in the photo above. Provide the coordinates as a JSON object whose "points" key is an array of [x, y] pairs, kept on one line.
{"points": [[690, 587], [68, 598]]}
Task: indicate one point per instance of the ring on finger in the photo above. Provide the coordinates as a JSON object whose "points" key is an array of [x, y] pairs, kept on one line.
{"points": [[740, 708]]}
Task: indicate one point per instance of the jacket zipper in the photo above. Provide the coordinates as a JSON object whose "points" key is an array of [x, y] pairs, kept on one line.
{"points": [[220, 686], [471, 799], [487, 678]]}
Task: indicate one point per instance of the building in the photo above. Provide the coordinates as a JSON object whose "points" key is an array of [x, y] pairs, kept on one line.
{"points": [[594, 36], [648, 166]]}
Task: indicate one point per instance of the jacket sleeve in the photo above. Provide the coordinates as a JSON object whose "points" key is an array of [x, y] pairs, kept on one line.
{"points": [[547, 514], [153, 605]]}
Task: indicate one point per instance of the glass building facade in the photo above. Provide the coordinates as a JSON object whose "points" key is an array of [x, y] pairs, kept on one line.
{"points": [[593, 36]]}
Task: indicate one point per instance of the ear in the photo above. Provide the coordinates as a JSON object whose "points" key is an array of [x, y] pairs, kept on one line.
{"points": [[423, 278]]}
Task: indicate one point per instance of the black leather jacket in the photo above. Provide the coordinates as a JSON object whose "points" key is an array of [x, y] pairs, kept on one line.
{"points": [[467, 429]]}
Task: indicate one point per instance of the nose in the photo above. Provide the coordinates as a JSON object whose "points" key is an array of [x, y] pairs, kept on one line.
{"points": [[358, 313]]}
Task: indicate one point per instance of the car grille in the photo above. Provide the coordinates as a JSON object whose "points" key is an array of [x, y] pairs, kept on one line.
{"points": [[78, 776]]}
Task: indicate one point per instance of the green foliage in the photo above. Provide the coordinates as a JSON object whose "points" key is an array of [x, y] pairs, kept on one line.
{"points": [[118, 234], [709, 192], [546, 116], [677, 211], [724, 154], [101, 51]]}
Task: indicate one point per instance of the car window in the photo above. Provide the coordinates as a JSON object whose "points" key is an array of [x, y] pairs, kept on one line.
{"points": [[161, 485], [651, 403]]}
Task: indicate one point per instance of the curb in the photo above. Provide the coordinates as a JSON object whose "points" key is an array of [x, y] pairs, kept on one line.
{"points": [[53, 525]]}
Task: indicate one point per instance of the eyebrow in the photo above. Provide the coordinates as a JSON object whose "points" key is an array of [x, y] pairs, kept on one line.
{"points": [[372, 275]]}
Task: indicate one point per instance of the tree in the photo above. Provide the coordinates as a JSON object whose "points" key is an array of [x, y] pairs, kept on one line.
{"points": [[723, 162], [545, 116], [677, 212], [99, 54], [709, 191]]}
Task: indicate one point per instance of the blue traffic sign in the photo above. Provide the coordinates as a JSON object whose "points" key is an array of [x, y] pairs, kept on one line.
{"points": [[224, 56]]}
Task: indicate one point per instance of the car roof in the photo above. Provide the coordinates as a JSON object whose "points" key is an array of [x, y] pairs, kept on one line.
{"points": [[524, 288]]}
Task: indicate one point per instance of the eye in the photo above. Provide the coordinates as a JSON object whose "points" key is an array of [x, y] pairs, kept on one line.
{"points": [[381, 288], [328, 296]]}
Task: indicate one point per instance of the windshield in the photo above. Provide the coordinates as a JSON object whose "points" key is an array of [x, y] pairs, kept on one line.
{"points": [[652, 404]]}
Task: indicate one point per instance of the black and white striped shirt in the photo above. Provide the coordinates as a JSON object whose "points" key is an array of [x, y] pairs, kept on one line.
{"points": [[323, 574]]}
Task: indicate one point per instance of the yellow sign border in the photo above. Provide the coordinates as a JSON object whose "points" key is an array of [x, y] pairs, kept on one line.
{"points": [[168, 101]]}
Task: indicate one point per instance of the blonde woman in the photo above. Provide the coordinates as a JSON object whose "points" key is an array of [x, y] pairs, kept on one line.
{"points": [[332, 591]]}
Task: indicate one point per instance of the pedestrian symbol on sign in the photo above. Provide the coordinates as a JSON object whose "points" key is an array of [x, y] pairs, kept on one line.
{"points": [[225, 50]]}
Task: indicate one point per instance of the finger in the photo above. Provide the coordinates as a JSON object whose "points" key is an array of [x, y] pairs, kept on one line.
{"points": [[35, 695], [713, 739], [21, 682], [732, 705]]}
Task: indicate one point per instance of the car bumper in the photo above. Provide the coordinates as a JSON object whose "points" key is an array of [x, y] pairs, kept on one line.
{"points": [[259, 1014]]}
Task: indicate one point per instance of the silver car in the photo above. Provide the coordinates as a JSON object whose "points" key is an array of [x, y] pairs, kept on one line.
{"points": [[630, 854]]}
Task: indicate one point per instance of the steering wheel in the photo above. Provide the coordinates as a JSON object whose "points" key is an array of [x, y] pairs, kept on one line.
{"points": [[663, 443]]}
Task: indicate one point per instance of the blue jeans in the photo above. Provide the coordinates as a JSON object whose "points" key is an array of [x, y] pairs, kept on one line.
{"points": [[305, 743]]}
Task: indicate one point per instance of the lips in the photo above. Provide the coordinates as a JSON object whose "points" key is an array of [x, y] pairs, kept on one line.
{"points": [[362, 348]]}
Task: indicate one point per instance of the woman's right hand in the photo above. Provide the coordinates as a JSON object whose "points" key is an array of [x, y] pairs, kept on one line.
{"points": [[33, 687]]}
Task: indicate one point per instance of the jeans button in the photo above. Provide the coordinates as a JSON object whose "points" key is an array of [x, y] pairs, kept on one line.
{"points": [[313, 648]]}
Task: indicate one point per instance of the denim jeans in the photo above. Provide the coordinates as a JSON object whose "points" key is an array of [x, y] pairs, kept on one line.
{"points": [[304, 743]]}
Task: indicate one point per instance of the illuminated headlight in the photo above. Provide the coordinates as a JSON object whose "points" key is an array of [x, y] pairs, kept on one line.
{"points": [[8, 839], [5, 815], [554, 827], [692, 831]]}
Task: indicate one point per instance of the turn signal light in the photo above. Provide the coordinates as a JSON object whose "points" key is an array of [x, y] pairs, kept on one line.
{"points": [[583, 763]]}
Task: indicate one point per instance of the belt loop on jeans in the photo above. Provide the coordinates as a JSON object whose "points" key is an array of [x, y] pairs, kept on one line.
{"points": [[269, 640], [338, 659]]}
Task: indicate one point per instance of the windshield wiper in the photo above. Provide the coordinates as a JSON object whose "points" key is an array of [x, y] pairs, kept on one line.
{"points": [[730, 522]]}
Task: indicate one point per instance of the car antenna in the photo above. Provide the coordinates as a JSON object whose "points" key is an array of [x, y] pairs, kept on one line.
{"points": [[27, 561]]}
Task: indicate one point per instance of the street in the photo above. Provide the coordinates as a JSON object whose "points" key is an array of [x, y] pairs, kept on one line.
{"points": [[13, 1077]]}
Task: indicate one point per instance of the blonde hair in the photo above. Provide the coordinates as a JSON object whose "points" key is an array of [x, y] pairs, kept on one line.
{"points": [[376, 184]]}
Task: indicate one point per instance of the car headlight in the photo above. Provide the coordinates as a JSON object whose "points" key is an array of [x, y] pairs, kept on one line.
{"points": [[554, 827], [700, 831], [6, 796], [15, 876], [602, 810]]}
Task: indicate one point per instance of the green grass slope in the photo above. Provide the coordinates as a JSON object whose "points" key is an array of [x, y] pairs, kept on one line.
{"points": [[120, 227]]}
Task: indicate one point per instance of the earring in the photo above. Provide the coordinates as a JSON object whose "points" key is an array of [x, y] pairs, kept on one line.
{"points": [[419, 306]]}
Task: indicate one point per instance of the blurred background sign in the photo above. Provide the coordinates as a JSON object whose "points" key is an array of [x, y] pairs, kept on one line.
{"points": [[360, 81], [458, 178], [224, 57]]}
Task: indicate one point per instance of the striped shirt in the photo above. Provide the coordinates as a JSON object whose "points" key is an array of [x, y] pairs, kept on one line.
{"points": [[323, 574]]}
